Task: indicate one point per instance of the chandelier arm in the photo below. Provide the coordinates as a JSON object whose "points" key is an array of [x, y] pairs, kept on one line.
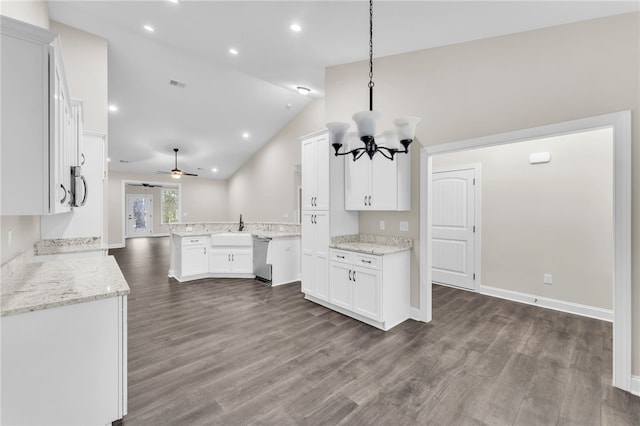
{"points": [[390, 152]]}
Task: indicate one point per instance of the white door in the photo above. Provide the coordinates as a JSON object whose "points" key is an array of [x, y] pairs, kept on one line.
{"points": [[367, 284], [139, 215], [454, 228]]}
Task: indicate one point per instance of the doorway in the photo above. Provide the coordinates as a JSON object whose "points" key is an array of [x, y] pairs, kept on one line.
{"points": [[620, 124], [455, 222], [139, 215]]}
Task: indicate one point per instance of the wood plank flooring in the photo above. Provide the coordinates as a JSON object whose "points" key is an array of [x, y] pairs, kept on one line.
{"points": [[236, 352]]}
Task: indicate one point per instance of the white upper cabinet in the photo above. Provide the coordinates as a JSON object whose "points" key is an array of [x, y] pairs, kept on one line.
{"points": [[315, 173], [378, 184], [38, 135]]}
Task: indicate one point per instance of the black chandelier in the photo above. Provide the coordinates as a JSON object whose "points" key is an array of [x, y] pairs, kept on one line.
{"points": [[366, 123]]}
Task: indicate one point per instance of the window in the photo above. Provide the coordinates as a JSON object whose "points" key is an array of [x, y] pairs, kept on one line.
{"points": [[169, 205]]}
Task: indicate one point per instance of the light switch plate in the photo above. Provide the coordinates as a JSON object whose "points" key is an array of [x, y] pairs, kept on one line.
{"points": [[382, 225], [404, 226], [547, 279]]}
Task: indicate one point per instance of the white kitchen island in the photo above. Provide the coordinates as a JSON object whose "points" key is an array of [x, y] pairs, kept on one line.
{"points": [[64, 342]]}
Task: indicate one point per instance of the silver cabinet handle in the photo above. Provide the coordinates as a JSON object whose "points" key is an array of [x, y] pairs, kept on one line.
{"points": [[350, 275], [228, 258], [365, 200], [340, 257], [369, 200], [354, 276], [83, 159], [365, 261], [233, 258], [205, 250], [86, 191], [64, 190]]}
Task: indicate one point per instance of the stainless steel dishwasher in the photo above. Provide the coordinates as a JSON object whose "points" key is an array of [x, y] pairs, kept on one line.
{"points": [[260, 267]]}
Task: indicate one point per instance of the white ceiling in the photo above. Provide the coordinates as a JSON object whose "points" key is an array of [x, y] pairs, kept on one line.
{"points": [[227, 95]]}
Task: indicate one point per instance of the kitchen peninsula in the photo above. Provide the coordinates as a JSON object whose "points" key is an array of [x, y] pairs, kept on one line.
{"points": [[64, 341], [220, 250]]}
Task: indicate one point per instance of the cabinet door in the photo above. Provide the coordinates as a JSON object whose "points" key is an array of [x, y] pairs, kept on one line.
{"points": [[219, 262], [321, 255], [322, 173], [308, 252], [242, 263], [194, 260], [367, 285], [356, 183], [341, 284], [384, 183], [308, 174], [60, 176]]}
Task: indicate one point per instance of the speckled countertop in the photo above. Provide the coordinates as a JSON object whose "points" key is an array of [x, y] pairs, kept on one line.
{"points": [[69, 245], [33, 286], [371, 244], [262, 229]]}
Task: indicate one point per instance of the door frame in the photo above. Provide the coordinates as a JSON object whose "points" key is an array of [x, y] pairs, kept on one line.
{"points": [[620, 122], [477, 217], [123, 202]]}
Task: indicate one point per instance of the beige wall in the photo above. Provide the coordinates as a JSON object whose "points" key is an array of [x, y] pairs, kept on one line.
{"points": [[499, 85], [553, 218], [25, 230], [265, 187], [33, 12], [202, 200]]}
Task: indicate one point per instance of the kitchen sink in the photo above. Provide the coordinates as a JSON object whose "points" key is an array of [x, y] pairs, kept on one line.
{"points": [[231, 239]]}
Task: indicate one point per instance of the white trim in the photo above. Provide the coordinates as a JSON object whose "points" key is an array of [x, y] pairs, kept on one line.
{"points": [[546, 302], [477, 212], [635, 385], [116, 246], [621, 124], [414, 314]]}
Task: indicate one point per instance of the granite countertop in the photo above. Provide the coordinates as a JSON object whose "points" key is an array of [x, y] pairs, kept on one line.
{"points": [[69, 245], [371, 244], [33, 286]]}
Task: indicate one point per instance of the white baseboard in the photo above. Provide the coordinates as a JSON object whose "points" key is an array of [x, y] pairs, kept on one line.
{"points": [[635, 385], [545, 302], [116, 246], [414, 314]]}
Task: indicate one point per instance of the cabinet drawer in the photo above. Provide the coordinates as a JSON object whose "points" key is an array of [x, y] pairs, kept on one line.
{"points": [[340, 256], [192, 241], [367, 261]]}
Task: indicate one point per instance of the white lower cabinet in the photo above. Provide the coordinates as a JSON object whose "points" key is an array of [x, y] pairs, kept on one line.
{"points": [[65, 365], [373, 289], [193, 257], [315, 253], [231, 261]]}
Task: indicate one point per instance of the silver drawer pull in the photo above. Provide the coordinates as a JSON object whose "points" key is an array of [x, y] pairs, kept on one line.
{"points": [[340, 257], [366, 261]]}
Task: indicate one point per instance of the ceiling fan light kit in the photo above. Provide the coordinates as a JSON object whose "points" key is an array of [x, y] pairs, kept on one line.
{"points": [[176, 173], [366, 123]]}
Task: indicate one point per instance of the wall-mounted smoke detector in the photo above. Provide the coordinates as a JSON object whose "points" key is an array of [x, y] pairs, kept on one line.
{"points": [[177, 84]]}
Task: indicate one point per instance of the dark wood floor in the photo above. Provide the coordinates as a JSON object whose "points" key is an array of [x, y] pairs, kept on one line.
{"points": [[236, 352]]}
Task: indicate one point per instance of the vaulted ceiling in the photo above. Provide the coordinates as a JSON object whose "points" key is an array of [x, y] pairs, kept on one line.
{"points": [[254, 92]]}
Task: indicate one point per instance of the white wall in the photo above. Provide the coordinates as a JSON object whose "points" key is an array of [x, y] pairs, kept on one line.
{"points": [[156, 193], [25, 230], [203, 200], [499, 85], [553, 218], [265, 187]]}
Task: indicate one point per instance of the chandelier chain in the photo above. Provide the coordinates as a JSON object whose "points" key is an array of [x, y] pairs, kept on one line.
{"points": [[371, 43]]}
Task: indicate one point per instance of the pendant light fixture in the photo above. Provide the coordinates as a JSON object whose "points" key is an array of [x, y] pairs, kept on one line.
{"points": [[366, 123]]}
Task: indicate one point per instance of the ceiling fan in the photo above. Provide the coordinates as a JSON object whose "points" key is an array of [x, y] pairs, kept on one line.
{"points": [[147, 185], [176, 172]]}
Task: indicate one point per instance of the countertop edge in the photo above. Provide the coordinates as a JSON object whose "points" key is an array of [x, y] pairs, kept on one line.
{"points": [[44, 306]]}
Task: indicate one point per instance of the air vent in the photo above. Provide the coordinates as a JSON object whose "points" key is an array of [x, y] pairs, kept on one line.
{"points": [[124, 161], [177, 84]]}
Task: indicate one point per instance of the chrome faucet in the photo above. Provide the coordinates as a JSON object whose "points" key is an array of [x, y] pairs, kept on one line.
{"points": [[241, 225]]}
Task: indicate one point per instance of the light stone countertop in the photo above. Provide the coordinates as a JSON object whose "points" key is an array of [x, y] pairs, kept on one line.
{"points": [[378, 245], [267, 234], [33, 286], [69, 245]]}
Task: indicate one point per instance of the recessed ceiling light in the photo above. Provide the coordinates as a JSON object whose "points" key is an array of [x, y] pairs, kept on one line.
{"points": [[289, 106], [245, 135], [174, 1], [214, 170], [233, 51], [149, 28], [113, 108], [303, 90], [295, 27], [108, 159]]}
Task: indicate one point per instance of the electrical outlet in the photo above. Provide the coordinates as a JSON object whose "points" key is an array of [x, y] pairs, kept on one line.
{"points": [[547, 279], [286, 215], [404, 226], [9, 237], [382, 225]]}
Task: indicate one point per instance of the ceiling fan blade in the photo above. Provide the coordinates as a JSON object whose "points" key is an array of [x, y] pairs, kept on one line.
{"points": [[189, 174]]}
